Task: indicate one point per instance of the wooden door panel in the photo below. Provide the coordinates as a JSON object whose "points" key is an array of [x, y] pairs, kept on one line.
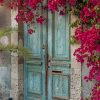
{"points": [[33, 97], [60, 46], [35, 67], [34, 85], [34, 41], [59, 57], [34, 82], [58, 37], [58, 84]]}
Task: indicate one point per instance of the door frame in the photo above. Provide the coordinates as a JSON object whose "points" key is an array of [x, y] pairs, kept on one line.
{"points": [[75, 71]]}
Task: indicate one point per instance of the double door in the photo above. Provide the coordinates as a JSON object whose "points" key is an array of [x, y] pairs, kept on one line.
{"points": [[46, 75]]}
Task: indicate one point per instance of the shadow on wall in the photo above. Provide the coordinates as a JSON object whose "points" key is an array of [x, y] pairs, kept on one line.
{"points": [[5, 17]]}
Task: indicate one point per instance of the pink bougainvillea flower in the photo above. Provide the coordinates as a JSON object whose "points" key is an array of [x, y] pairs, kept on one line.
{"points": [[24, 17], [17, 18], [61, 3], [81, 98], [86, 78], [93, 2], [62, 12], [52, 6], [33, 3], [1, 1], [86, 11], [40, 19], [28, 16], [72, 2], [13, 5], [30, 31], [95, 94], [98, 78], [92, 73], [98, 48]]}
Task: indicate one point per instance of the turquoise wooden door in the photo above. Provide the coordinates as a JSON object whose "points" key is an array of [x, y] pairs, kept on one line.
{"points": [[59, 57], [47, 74], [34, 69]]}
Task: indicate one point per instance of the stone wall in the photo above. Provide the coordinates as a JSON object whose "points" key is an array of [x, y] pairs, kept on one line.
{"points": [[10, 71], [5, 58], [5, 77]]}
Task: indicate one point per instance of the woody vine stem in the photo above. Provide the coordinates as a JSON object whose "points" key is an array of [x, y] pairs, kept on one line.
{"points": [[87, 31]]}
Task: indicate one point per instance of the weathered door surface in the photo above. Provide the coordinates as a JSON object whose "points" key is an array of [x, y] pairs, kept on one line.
{"points": [[46, 75], [35, 68]]}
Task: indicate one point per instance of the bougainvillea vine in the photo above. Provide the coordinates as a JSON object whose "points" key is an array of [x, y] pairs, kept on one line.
{"points": [[87, 32]]}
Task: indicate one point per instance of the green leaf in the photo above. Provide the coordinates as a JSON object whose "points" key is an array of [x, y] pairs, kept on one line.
{"points": [[75, 24], [73, 40], [97, 26], [21, 51], [6, 31]]}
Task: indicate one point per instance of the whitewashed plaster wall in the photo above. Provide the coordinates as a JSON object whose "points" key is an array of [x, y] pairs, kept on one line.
{"points": [[14, 59], [16, 63], [75, 85]]}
